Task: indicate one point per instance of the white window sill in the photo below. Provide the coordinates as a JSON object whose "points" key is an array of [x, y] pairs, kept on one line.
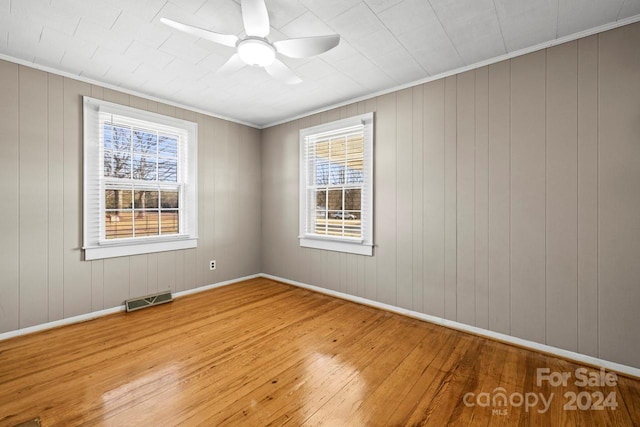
{"points": [[112, 251], [337, 246]]}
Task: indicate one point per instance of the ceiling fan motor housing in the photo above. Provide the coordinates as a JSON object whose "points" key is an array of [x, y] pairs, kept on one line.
{"points": [[256, 51]]}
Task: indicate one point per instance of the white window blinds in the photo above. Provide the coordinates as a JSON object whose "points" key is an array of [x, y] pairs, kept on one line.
{"points": [[336, 190], [140, 181]]}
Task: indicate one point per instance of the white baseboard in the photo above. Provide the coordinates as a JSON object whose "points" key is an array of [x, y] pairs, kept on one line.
{"points": [[105, 312], [508, 339], [215, 285], [61, 322], [555, 351]]}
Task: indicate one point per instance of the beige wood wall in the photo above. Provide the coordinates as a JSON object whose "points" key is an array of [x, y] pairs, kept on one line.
{"points": [[507, 197], [42, 275]]}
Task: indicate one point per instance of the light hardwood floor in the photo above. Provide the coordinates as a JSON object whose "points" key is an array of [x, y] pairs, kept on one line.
{"points": [[265, 353]]}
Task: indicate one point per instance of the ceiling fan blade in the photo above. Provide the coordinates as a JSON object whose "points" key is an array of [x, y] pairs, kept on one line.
{"points": [[283, 73], [231, 66], [307, 46], [255, 17], [224, 39]]}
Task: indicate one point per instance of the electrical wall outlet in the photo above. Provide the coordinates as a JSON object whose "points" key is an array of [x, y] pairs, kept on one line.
{"points": [[212, 264]]}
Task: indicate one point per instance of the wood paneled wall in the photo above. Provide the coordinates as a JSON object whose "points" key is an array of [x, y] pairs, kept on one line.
{"points": [[507, 197], [42, 275]]}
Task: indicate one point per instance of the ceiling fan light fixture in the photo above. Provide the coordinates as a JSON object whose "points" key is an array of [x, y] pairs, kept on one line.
{"points": [[256, 52]]}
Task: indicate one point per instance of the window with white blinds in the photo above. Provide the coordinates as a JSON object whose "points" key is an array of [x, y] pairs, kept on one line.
{"points": [[336, 186], [140, 189]]}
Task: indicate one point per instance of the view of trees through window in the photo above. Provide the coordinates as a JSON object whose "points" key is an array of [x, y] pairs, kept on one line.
{"points": [[338, 185], [141, 173]]}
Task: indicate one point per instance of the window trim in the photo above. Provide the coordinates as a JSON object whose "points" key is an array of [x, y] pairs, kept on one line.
{"points": [[95, 246], [364, 244]]}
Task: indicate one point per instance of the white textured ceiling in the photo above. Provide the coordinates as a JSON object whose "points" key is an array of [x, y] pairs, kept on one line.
{"points": [[385, 44]]}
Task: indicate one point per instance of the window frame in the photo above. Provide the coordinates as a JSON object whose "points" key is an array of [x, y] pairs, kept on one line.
{"points": [[364, 244], [95, 243]]}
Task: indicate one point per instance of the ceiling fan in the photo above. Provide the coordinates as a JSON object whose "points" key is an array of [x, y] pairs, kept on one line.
{"points": [[255, 49]]}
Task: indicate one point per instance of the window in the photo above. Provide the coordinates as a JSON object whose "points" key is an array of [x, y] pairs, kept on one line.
{"points": [[140, 190], [336, 186]]}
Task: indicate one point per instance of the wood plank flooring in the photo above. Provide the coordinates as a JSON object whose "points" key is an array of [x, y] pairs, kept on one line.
{"points": [[265, 353]]}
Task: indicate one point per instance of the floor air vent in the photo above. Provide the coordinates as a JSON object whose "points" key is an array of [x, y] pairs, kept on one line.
{"points": [[147, 301]]}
